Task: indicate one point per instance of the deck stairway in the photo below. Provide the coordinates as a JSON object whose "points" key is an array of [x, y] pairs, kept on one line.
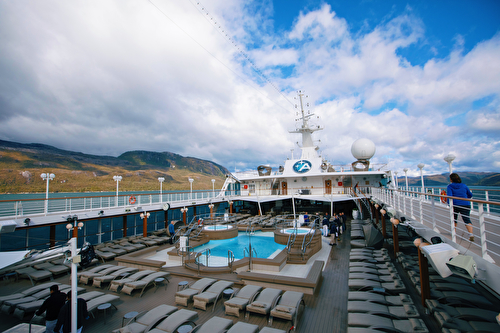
{"points": [[299, 253]]}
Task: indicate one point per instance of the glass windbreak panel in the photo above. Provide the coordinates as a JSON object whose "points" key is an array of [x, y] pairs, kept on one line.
{"points": [[39, 238], [13, 240], [91, 230], [117, 227], [62, 234], [106, 230]]}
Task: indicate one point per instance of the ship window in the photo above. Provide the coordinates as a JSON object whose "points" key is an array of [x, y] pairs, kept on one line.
{"points": [[251, 188]]}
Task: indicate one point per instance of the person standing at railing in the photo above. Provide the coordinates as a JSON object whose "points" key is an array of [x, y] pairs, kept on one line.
{"points": [[462, 207]]}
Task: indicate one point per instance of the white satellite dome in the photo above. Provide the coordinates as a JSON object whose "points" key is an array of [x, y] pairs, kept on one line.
{"points": [[363, 149]]}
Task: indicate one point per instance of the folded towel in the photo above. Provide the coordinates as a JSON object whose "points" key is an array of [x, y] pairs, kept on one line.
{"points": [[282, 308], [259, 304]]}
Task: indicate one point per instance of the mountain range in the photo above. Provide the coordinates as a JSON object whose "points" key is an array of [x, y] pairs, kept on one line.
{"points": [[22, 165]]}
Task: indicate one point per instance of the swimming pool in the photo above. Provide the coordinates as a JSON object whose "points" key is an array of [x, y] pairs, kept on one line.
{"points": [[299, 231], [262, 242]]}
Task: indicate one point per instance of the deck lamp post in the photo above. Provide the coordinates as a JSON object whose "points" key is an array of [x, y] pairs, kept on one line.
{"points": [[144, 216], [74, 225], [191, 180], [211, 206], [213, 188], [47, 177], [161, 180], [449, 159], [118, 180], [406, 178], [421, 166], [396, 179], [184, 211]]}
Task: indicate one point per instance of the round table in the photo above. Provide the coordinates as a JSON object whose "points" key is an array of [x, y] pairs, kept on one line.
{"points": [[129, 315], [104, 307], [182, 285], [228, 292], [158, 282], [184, 329]]}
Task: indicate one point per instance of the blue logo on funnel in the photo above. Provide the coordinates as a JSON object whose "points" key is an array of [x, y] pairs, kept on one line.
{"points": [[302, 166]]}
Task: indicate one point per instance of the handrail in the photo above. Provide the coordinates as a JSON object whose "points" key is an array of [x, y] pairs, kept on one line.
{"points": [[230, 260]]}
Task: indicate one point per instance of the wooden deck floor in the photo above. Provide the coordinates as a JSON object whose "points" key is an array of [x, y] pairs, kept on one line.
{"points": [[326, 311]]}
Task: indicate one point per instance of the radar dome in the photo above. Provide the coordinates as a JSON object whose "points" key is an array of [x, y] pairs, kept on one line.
{"points": [[363, 149]]}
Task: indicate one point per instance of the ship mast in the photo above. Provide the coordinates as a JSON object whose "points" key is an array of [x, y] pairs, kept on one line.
{"points": [[309, 150]]}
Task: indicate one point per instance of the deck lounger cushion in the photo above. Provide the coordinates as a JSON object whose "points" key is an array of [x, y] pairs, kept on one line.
{"points": [[374, 277], [117, 284], [183, 297], [143, 283], [373, 321], [105, 255], [361, 284], [146, 319], [466, 326], [118, 252], [462, 312], [467, 298], [264, 301], [215, 325], [211, 295], [34, 274], [175, 320], [239, 302], [288, 307], [95, 269]]}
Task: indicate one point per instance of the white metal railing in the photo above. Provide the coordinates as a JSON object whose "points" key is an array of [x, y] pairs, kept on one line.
{"points": [[430, 210]]}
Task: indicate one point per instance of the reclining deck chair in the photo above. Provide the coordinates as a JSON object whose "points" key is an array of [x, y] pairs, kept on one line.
{"points": [[176, 320], [246, 295], [28, 292], [461, 311], [87, 277], [396, 311], [28, 308], [380, 299], [373, 322], [394, 287], [54, 269], [183, 297], [100, 280], [117, 284], [211, 295], [264, 302], [34, 274], [147, 319], [214, 325], [143, 283], [288, 307], [95, 302]]}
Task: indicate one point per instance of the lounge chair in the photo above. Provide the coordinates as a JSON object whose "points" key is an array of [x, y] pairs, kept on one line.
{"points": [[34, 274], [264, 302], [118, 252], [137, 246], [214, 325], [54, 269], [95, 302], [461, 311], [242, 327], [147, 319], [373, 321], [100, 280], [288, 307], [27, 308], [103, 255], [396, 312], [446, 321], [85, 278], [28, 292], [395, 287], [237, 303], [117, 284], [94, 269], [374, 277], [271, 330], [380, 299], [183, 297], [175, 320], [211, 295], [143, 283]]}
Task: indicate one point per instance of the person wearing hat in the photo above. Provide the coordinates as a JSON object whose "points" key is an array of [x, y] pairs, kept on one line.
{"points": [[52, 305]]}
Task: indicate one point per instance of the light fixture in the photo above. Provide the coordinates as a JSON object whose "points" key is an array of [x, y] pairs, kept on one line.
{"points": [[101, 213], [47, 177], [145, 215], [184, 210], [449, 159], [117, 179], [191, 180], [73, 222], [421, 166], [27, 221]]}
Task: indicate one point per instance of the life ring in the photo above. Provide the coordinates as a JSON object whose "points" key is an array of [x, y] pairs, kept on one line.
{"points": [[443, 199], [131, 200]]}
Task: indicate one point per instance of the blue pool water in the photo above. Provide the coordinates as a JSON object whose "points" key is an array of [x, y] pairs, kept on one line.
{"points": [[262, 242]]}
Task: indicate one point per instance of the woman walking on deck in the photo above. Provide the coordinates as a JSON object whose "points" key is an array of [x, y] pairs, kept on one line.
{"points": [[462, 207]]}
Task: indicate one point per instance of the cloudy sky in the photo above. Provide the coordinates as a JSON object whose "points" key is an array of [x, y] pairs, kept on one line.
{"points": [[216, 79]]}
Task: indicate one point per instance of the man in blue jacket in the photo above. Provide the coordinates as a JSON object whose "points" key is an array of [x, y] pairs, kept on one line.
{"points": [[462, 207]]}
